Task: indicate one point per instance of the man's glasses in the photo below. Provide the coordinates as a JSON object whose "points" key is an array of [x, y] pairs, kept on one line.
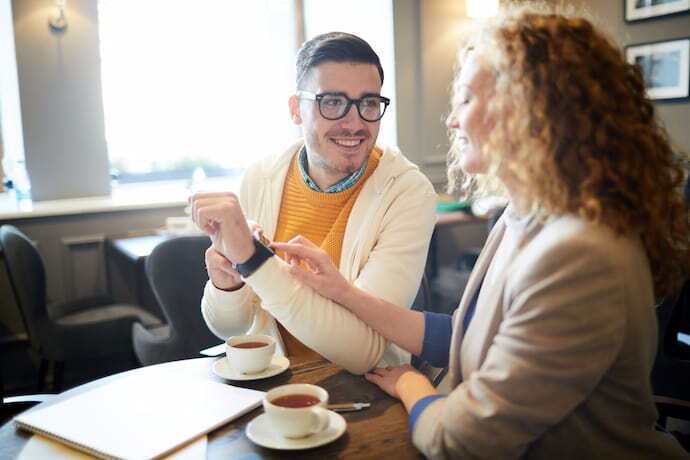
{"points": [[334, 106]]}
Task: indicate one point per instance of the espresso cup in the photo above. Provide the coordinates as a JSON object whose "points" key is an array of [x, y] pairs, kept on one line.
{"points": [[297, 410], [249, 354]]}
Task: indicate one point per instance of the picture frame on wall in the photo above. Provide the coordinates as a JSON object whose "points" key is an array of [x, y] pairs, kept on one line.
{"points": [[665, 66], [637, 10]]}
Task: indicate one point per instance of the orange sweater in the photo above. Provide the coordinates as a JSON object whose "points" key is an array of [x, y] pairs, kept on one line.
{"points": [[319, 217]]}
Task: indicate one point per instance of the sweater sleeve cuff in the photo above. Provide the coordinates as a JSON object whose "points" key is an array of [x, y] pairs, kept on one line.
{"points": [[419, 407], [438, 330], [272, 283], [215, 296]]}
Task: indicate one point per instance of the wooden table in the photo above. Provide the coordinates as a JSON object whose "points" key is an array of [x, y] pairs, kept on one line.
{"points": [[377, 432]]}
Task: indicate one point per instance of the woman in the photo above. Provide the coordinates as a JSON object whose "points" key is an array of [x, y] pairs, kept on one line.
{"points": [[550, 350]]}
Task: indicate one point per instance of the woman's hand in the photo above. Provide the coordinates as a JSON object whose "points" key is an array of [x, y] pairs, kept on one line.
{"points": [[320, 273], [387, 377], [402, 382]]}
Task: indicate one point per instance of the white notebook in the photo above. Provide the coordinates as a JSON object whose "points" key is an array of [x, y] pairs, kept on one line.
{"points": [[141, 416]]}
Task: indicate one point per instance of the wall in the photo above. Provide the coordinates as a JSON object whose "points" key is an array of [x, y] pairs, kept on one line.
{"points": [[426, 46], [60, 97], [406, 26], [674, 115]]}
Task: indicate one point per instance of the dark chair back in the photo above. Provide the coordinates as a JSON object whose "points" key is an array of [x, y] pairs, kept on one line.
{"points": [[671, 371], [28, 281], [79, 329], [177, 273], [21, 255]]}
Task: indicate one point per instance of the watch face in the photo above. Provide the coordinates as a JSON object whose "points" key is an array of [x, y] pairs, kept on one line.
{"points": [[261, 254], [260, 236]]}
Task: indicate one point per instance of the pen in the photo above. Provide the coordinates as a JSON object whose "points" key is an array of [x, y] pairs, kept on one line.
{"points": [[348, 407]]}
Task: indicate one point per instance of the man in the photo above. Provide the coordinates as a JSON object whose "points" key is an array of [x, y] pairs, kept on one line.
{"points": [[368, 207]]}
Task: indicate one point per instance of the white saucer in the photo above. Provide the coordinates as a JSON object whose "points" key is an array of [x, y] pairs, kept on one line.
{"points": [[278, 364], [260, 432]]}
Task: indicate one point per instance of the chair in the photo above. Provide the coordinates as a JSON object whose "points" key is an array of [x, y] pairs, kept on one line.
{"points": [[175, 269], [671, 371], [12, 405], [86, 328]]}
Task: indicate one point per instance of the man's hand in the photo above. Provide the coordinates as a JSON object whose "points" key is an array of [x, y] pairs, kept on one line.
{"points": [[220, 271], [220, 216]]}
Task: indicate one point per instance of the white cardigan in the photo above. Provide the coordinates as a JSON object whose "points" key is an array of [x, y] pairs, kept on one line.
{"points": [[384, 253]]}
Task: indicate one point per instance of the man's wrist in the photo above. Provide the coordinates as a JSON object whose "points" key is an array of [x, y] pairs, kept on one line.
{"points": [[260, 253], [245, 256], [245, 253]]}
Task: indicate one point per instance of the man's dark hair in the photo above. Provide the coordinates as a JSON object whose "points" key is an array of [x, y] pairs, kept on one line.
{"points": [[334, 47]]}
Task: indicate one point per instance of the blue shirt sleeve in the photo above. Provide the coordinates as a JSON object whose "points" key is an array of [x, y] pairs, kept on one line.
{"points": [[437, 332], [419, 407]]}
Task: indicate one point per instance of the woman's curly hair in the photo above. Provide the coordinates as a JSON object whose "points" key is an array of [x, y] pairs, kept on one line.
{"points": [[581, 135]]}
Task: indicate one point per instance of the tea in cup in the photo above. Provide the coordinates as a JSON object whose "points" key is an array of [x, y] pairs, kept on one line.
{"points": [[249, 354], [297, 410]]}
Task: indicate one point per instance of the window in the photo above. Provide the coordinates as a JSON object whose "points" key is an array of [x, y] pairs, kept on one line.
{"points": [[190, 83]]}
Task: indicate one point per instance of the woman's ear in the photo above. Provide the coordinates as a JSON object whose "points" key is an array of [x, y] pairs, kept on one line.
{"points": [[293, 104]]}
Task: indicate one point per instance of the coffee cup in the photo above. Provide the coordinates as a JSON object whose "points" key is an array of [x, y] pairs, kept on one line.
{"points": [[249, 354], [297, 410]]}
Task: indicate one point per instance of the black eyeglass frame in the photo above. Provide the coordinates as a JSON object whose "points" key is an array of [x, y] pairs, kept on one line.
{"points": [[317, 98]]}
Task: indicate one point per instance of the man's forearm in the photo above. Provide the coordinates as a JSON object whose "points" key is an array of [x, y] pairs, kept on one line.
{"points": [[318, 322]]}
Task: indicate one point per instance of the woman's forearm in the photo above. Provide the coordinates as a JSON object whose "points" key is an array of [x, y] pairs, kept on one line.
{"points": [[401, 326], [412, 387]]}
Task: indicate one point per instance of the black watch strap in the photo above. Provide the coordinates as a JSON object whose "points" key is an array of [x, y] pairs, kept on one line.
{"points": [[261, 255]]}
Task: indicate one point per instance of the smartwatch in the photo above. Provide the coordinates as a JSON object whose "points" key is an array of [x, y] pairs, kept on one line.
{"points": [[261, 254]]}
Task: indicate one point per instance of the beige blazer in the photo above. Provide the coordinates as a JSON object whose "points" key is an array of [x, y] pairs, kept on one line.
{"points": [[556, 360]]}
